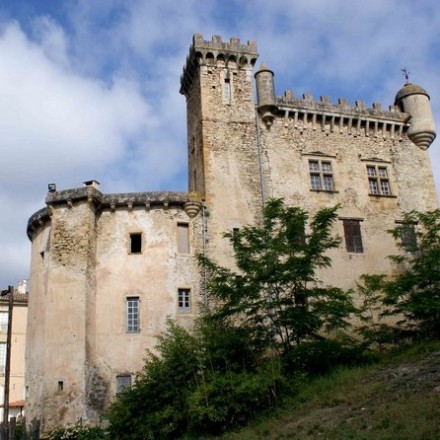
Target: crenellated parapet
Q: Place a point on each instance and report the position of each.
(307, 113)
(216, 52)
(189, 202)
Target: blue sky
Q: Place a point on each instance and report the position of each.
(89, 89)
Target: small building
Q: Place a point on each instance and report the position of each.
(18, 345)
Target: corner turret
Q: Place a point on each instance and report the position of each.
(266, 94)
(414, 100)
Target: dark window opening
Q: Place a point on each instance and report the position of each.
(136, 243)
(408, 236)
(60, 385)
(353, 237)
(123, 382)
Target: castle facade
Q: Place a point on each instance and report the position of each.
(107, 270)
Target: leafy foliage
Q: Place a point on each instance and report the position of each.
(374, 330)
(275, 291)
(235, 362)
(320, 357)
(77, 431)
(207, 380)
(155, 407)
(415, 292)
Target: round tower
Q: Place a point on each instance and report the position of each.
(414, 100)
(266, 94)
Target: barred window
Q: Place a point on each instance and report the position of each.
(378, 180)
(321, 175)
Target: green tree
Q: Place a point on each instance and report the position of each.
(204, 381)
(155, 407)
(415, 291)
(275, 292)
(374, 330)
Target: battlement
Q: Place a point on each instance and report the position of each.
(305, 113)
(342, 107)
(190, 202)
(234, 46)
(232, 53)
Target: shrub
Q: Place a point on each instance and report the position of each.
(229, 399)
(319, 357)
(77, 431)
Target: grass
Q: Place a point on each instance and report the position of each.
(395, 399)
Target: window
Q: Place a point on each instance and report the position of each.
(136, 243)
(133, 314)
(2, 357)
(227, 91)
(353, 237)
(321, 175)
(3, 321)
(60, 385)
(182, 238)
(123, 382)
(378, 180)
(408, 236)
(184, 300)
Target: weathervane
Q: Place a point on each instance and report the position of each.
(405, 73)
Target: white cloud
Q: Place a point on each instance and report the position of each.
(56, 123)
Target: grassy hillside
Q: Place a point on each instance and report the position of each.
(396, 399)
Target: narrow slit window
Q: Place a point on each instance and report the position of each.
(227, 90)
(136, 243)
(60, 385)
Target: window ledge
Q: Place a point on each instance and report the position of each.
(388, 196)
(324, 191)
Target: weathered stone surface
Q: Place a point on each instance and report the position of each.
(239, 154)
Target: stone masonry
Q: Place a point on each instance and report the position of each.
(95, 255)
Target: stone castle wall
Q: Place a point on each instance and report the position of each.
(82, 274)
(240, 153)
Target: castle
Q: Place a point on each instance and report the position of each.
(108, 269)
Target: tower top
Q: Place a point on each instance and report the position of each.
(409, 89)
(210, 52)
